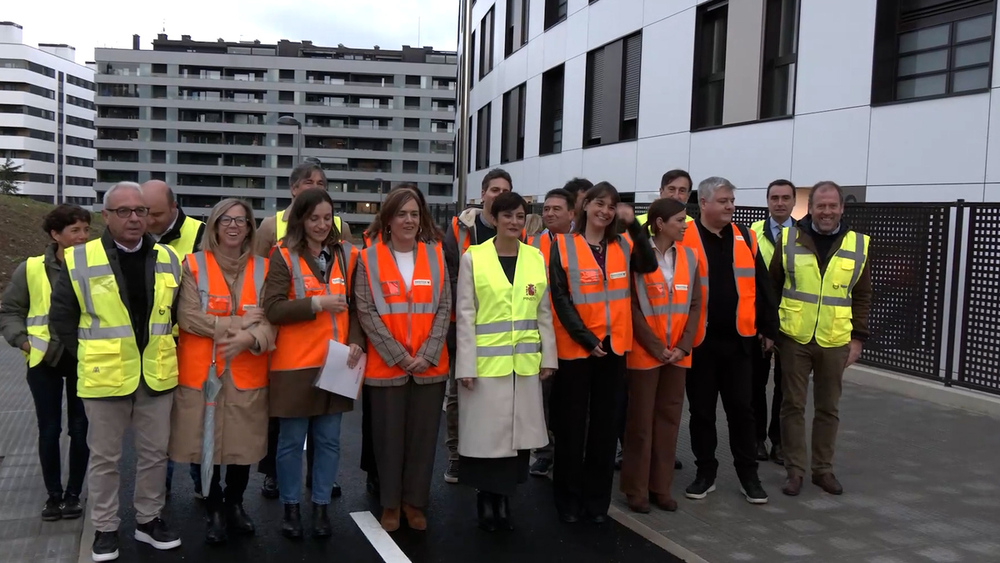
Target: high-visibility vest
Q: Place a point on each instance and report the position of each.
(666, 307)
(194, 353)
(641, 219)
(763, 243)
(745, 272)
(281, 224)
(543, 242)
(369, 241)
(601, 298)
(507, 337)
(815, 307)
(39, 292)
(463, 238)
(108, 360)
(184, 244)
(408, 314)
(304, 344)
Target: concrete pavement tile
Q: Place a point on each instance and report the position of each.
(899, 537)
(989, 548)
(805, 526)
(943, 531)
(940, 555)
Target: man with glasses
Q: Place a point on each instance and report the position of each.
(113, 306)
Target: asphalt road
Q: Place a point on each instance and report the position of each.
(452, 535)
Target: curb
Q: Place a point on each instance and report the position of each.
(925, 390)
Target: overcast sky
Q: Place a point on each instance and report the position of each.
(355, 23)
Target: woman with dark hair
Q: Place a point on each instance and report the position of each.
(307, 295)
(404, 306)
(219, 313)
(374, 231)
(589, 272)
(24, 323)
(506, 346)
(666, 305)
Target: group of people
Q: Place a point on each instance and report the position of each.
(207, 339)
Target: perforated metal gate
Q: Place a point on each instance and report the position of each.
(979, 359)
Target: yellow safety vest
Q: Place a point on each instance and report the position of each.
(281, 225)
(763, 243)
(39, 292)
(641, 219)
(815, 307)
(184, 244)
(108, 360)
(507, 338)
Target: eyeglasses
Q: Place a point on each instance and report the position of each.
(126, 212)
(226, 220)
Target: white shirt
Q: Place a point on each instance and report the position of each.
(666, 260)
(405, 264)
(156, 237)
(127, 250)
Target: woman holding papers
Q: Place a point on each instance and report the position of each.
(306, 294)
(404, 305)
(218, 312)
(506, 346)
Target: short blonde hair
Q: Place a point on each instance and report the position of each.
(210, 240)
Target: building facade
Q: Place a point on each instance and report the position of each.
(47, 119)
(891, 98)
(203, 116)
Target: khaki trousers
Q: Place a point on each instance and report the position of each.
(149, 418)
(827, 366)
(655, 403)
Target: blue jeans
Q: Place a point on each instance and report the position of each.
(326, 435)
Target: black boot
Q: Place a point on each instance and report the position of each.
(501, 507)
(291, 525)
(321, 521)
(270, 487)
(216, 533)
(372, 484)
(238, 520)
(484, 505)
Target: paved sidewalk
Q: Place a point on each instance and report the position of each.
(23, 536)
(921, 486)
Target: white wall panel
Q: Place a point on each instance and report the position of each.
(831, 146)
(513, 71)
(553, 46)
(575, 80)
(656, 10)
(613, 20)
(667, 67)
(925, 193)
(993, 140)
(532, 115)
(655, 156)
(749, 156)
(576, 33)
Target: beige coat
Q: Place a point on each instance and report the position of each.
(240, 416)
(500, 415)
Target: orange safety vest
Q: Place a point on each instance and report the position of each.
(542, 242)
(408, 314)
(303, 345)
(745, 272)
(194, 353)
(666, 307)
(601, 298)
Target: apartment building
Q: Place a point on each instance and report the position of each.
(230, 119)
(47, 119)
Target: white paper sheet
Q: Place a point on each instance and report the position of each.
(336, 377)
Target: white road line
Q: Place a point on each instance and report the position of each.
(654, 537)
(379, 538)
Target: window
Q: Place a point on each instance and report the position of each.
(483, 137)
(486, 44)
(710, 65)
(551, 125)
(512, 132)
(517, 26)
(472, 58)
(611, 109)
(555, 12)
(930, 48)
(780, 46)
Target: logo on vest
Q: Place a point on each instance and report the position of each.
(529, 290)
(422, 283)
(617, 275)
(681, 287)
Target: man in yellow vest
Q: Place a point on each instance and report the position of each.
(780, 202)
(820, 267)
(272, 229)
(113, 305)
(675, 184)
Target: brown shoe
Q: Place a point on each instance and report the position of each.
(664, 502)
(639, 505)
(415, 518)
(390, 519)
(828, 483)
(793, 485)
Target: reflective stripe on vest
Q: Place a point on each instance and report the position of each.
(820, 307)
(184, 245)
(666, 307)
(281, 224)
(408, 314)
(109, 362)
(248, 371)
(763, 243)
(507, 337)
(303, 344)
(39, 292)
(602, 298)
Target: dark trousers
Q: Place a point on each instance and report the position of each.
(585, 400)
(761, 373)
(267, 466)
(368, 464)
(722, 367)
(237, 477)
(46, 384)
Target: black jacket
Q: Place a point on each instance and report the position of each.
(643, 261)
(175, 231)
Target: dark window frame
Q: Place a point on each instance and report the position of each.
(484, 117)
(512, 43)
(774, 64)
(612, 92)
(556, 12)
(703, 81)
(550, 129)
(513, 123)
(487, 42)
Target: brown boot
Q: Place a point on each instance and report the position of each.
(793, 485)
(415, 518)
(664, 502)
(638, 504)
(390, 519)
(828, 483)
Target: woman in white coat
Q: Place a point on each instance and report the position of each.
(506, 346)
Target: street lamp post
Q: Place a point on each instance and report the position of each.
(379, 182)
(464, 99)
(289, 120)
